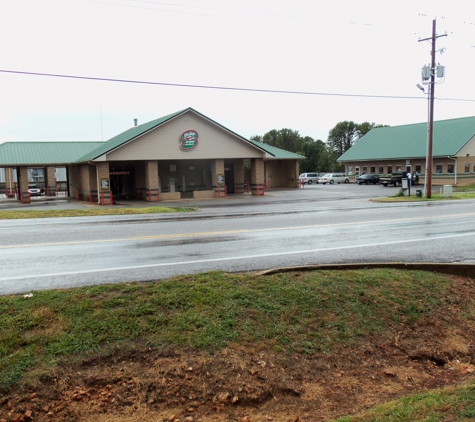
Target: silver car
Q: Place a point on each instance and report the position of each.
(309, 178)
(333, 178)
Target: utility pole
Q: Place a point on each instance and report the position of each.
(431, 109)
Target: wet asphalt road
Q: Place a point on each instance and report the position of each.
(315, 225)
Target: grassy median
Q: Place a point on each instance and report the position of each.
(298, 315)
(20, 214)
(210, 310)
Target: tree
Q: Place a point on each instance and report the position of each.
(317, 157)
(345, 134)
(287, 139)
(342, 137)
(365, 127)
(256, 138)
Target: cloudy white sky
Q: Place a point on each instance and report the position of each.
(351, 49)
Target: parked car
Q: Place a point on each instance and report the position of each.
(309, 178)
(333, 178)
(367, 178)
(34, 190)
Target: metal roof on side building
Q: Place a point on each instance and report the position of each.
(278, 153)
(43, 153)
(410, 141)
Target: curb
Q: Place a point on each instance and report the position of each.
(464, 270)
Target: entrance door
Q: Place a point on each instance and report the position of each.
(229, 177)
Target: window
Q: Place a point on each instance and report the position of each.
(365, 169)
(350, 170)
(418, 168)
(438, 168)
(373, 169)
(390, 169)
(357, 171)
(450, 168)
(467, 168)
(398, 168)
(381, 170)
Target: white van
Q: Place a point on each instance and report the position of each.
(309, 178)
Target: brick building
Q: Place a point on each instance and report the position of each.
(182, 155)
(387, 149)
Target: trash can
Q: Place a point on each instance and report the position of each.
(419, 193)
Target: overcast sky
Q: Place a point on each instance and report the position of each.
(350, 49)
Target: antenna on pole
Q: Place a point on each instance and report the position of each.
(102, 132)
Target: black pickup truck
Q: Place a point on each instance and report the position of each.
(395, 179)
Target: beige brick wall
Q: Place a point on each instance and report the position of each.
(23, 184)
(170, 196)
(83, 177)
(217, 167)
(50, 180)
(103, 171)
(151, 175)
(239, 186)
(87, 176)
(257, 176)
(281, 173)
(204, 194)
(9, 184)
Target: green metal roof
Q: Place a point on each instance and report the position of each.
(43, 153)
(278, 153)
(410, 141)
(127, 136)
(135, 132)
(46, 153)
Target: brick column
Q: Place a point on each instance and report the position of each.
(295, 183)
(239, 176)
(23, 195)
(103, 184)
(9, 181)
(257, 176)
(50, 181)
(151, 181)
(86, 183)
(217, 168)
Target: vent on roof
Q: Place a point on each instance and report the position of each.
(135, 122)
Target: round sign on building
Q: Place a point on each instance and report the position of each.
(189, 140)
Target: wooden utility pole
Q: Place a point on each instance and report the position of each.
(431, 110)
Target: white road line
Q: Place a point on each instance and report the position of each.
(229, 232)
(170, 264)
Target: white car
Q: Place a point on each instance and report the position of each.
(333, 178)
(34, 190)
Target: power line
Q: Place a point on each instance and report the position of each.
(225, 88)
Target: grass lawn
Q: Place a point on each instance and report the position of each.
(459, 193)
(8, 215)
(301, 318)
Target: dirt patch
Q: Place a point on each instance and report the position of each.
(255, 382)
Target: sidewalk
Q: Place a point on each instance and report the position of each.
(72, 203)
